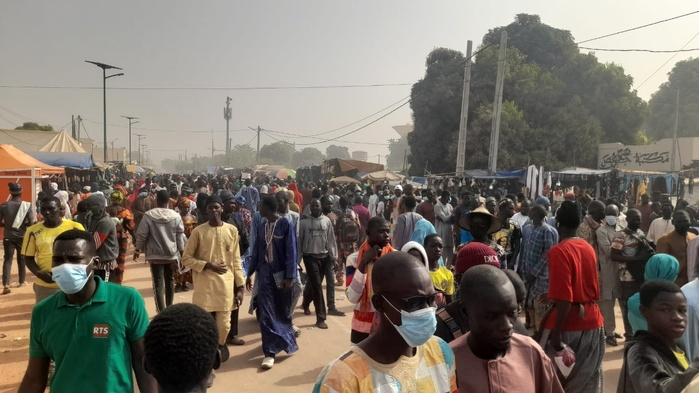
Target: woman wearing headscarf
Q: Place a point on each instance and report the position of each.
(64, 198)
(658, 267)
(298, 197)
(123, 230)
(184, 275)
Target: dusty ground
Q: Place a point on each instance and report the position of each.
(241, 373)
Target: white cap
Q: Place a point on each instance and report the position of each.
(398, 187)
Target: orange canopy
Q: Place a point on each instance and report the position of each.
(13, 158)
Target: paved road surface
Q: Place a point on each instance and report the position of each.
(241, 373)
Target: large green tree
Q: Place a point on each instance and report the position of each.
(398, 151)
(684, 78)
(335, 151)
(558, 103)
(29, 125)
(436, 105)
(278, 153)
(307, 157)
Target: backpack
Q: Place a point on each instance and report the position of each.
(348, 229)
(243, 234)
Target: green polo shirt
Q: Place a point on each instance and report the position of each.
(90, 344)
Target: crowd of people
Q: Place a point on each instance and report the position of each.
(469, 294)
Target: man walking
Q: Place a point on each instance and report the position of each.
(406, 221)
(252, 196)
(629, 252)
(213, 254)
(575, 320)
(426, 207)
(316, 243)
(592, 221)
(537, 240)
(92, 330)
(15, 215)
(610, 286)
(443, 224)
(675, 243)
(161, 236)
(37, 246)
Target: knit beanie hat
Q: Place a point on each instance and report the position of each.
(473, 254)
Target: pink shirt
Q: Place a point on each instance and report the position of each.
(525, 368)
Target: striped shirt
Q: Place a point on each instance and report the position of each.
(431, 370)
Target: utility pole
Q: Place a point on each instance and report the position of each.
(140, 158)
(79, 124)
(258, 145)
(212, 143)
(72, 121)
(131, 121)
(674, 132)
(227, 116)
(497, 106)
(379, 161)
(461, 147)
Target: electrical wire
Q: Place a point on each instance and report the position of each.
(668, 60)
(639, 50)
(638, 27)
(8, 120)
(162, 130)
(310, 87)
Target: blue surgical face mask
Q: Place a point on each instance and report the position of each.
(71, 277)
(143, 194)
(610, 220)
(416, 327)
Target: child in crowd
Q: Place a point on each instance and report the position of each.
(653, 362)
(442, 278)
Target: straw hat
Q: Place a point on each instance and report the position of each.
(495, 223)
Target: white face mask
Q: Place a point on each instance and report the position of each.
(610, 220)
(416, 327)
(71, 277)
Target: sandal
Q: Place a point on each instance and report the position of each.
(611, 341)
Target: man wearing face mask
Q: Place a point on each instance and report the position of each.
(99, 353)
(610, 286)
(402, 354)
(37, 246)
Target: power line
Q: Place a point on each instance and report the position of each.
(638, 27)
(161, 130)
(314, 136)
(639, 50)
(668, 60)
(353, 131)
(310, 87)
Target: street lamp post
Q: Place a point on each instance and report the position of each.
(131, 118)
(104, 68)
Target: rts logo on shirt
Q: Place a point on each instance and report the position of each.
(100, 331)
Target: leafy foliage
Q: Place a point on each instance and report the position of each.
(558, 103)
(307, 157)
(397, 151)
(334, 151)
(34, 126)
(661, 122)
(279, 153)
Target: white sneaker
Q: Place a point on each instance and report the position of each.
(267, 363)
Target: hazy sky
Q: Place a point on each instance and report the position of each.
(179, 43)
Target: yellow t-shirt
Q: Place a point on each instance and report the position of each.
(443, 279)
(682, 359)
(38, 243)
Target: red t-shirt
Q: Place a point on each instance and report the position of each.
(573, 278)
